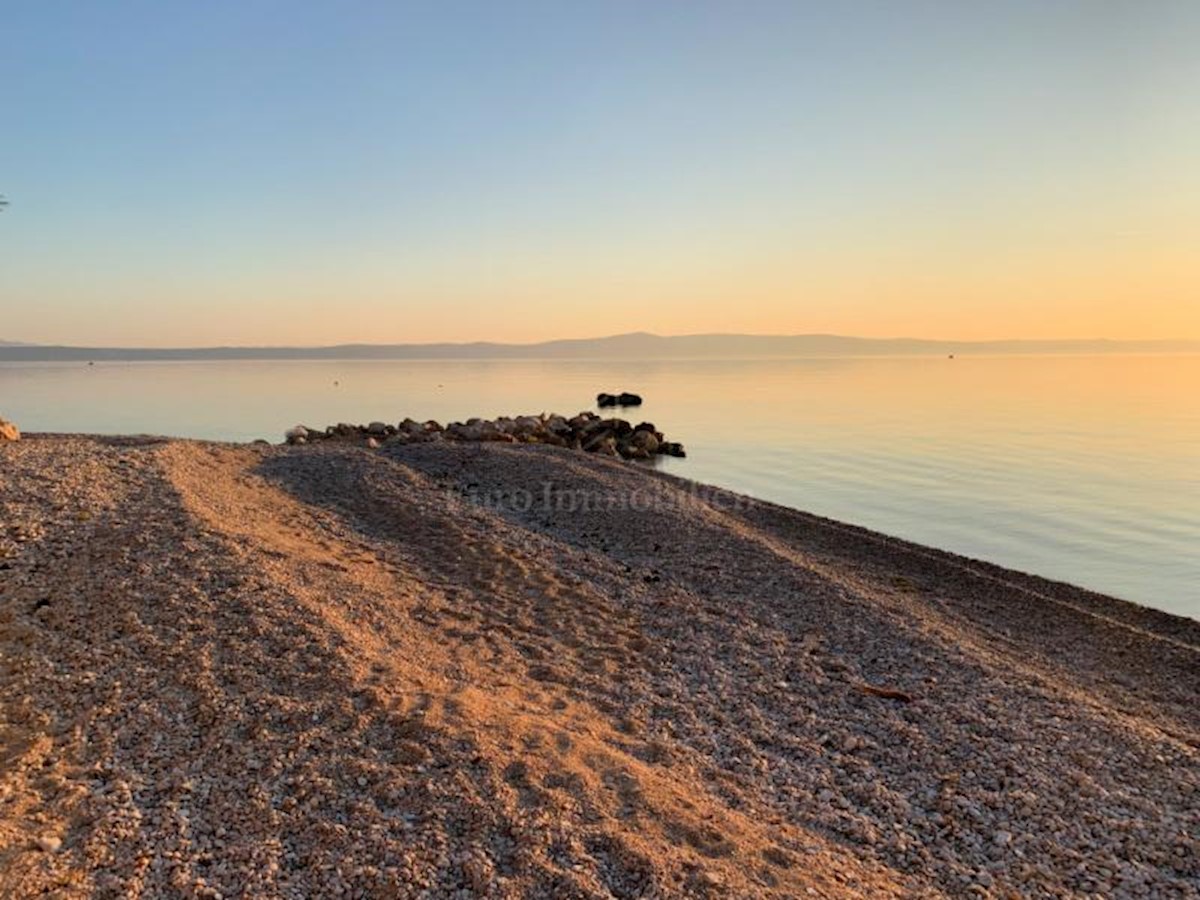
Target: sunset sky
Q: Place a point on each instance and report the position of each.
(317, 173)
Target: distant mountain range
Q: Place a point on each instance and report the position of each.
(639, 345)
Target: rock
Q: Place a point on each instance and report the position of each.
(468, 432)
(585, 431)
(623, 399)
(592, 440)
(644, 441)
(629, 451)
(9, 431)
(607, 446)
(528, 423)
(49, 843)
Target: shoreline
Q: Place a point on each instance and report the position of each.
(522, 702)
(1091, 600)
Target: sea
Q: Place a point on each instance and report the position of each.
(1084, 469)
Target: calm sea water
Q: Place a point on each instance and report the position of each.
(1085, 469)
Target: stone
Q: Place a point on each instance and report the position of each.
(593, 441)
(710, 879)
(606, 446)
(644, 441)
(528, 423)
(623, 399)
(468, 432)
(49, 844)
(586, 431)
(9, 431)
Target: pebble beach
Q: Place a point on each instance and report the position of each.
(514, 670)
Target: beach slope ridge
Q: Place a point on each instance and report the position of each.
(519, 671)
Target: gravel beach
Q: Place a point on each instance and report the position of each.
(494, 670)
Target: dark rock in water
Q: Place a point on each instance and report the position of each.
(644, 440)
(629, 450)
(671, 448)
(622, 399)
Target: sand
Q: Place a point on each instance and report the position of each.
(250, 671)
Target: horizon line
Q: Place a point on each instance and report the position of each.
(9, 344)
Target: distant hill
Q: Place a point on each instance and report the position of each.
(639, 345)
(13, 344)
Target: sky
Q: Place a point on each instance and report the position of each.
(252, 172)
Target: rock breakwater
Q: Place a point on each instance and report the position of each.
(585, 431)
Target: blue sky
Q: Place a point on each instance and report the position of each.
(265, 172)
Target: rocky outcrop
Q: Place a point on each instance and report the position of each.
(622, 399)
(9, 431)
(586, 431)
